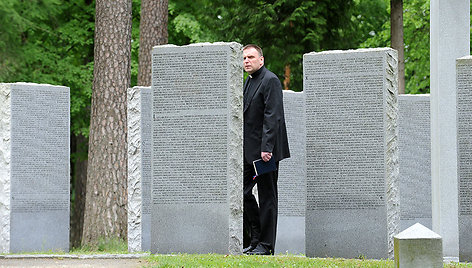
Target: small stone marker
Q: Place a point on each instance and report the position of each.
(418, 247)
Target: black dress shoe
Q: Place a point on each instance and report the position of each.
(260, 250)
(246, 250)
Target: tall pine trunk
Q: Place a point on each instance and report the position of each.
(106, 197)
(152, 32)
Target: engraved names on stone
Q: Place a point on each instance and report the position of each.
(39, 167)
(351, 141)
(197, 149)
(292, 179)
(146, 172)
(414, 145)
(464, 158)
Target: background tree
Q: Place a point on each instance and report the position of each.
(51, 41)
(416, 39)
(396, 33)
(152, 32)
(106, 197)
(285, 29)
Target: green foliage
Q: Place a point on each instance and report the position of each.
(368, 18)
(136, 9)
(416, 27)
(186, 22)
(285, 29)
(50, 41)
(416, 39)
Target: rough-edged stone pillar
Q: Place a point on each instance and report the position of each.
(34, 167)
(352, 153)
(139, 168)
(450, 39)
(197, 148)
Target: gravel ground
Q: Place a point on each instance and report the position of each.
(54, 262)
(126, 261)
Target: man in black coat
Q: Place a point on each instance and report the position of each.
(265, 136)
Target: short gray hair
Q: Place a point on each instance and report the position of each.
(256, 47)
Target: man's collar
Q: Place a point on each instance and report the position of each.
(256, 73)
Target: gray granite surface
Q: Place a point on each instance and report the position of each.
(352, 154)
(292, 179)
(464, 155)
(38, 174)
(414, 144)
(197, 149)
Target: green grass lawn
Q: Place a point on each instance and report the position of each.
(215, 260)
(118, 246)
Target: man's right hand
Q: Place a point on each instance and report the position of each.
(266, 156)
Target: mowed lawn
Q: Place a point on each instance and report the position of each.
(216, 260)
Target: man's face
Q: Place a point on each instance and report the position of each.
(252, 60)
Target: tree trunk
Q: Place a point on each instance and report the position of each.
(152, 32)
(80, 182)
(106, 197)
(396, 31)
(287, 72)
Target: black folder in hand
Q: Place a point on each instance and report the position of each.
(261, 167)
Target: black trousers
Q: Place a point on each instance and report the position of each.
(260, 221)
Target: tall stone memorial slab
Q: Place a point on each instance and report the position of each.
(414, 145)
(449, 40)
(292, 179)
(139, 168)
(464, 155)
(34, 167)
(197, 149)
(352, 153)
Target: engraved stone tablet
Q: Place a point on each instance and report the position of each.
(197, 149)
(414, 145)
(464, 158)
(139, 168)
(34, 167)
(292, 181)
(352, 155)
